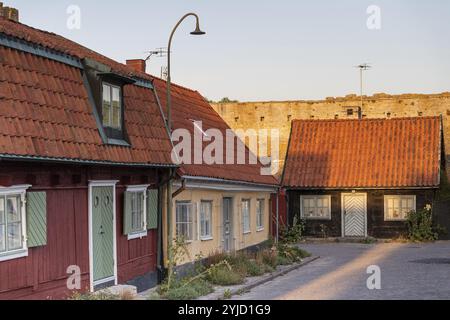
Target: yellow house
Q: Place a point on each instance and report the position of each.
(220, 206)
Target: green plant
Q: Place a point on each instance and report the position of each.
(227, 295)
(269, 257)
(295, 233)
(186, 289)
(324, 231)
(93, 296)
(224, 275)
(291, 253)
(177, 252)
(420, 225)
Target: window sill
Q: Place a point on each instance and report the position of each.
(260, 230)
(206, 239)
(248, 232)
(14, 255)
(316, 219)
(135, 236)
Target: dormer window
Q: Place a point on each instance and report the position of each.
(112, 106)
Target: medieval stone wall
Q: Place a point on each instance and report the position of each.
(279, 115)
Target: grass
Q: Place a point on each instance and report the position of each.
(94, 297)
(225, 276)
(223, 269)
(187, 290)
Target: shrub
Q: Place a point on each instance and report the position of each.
(295, 233)
(94, 296)
(420, 226)
(224, 275)
(217, 258)
(291, 253)
(269, 257)
(187, 289)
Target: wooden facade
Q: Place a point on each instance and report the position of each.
(43, 274)
(377, 226)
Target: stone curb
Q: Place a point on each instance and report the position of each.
(265, 279)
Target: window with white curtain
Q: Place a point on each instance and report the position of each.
(397, 208)
(185, 221)
(12, 223)
(206, 220)
(112, 106)
(316, 207)
(246, 216)
(260, 207)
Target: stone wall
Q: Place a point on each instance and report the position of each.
(279, 115)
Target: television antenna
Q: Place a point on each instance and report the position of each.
(159, 53)
(362, 67)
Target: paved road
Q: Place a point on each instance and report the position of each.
(408, 271)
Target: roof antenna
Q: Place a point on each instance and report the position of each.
(160, 53)
(362, 67)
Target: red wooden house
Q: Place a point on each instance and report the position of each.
(83, 152)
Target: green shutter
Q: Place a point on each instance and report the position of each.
(152, 209)
(36, 219)
(127, 223)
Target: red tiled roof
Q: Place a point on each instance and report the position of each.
(188, 105)
(45, 110)
(376, 153)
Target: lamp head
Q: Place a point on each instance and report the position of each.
(198, 31)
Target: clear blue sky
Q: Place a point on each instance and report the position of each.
(269, 50)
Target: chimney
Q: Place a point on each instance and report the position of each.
(9, 13)
(137, 65)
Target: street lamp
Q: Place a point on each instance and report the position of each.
(196, 32)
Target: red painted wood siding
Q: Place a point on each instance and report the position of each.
(282, 212)
(42, 275)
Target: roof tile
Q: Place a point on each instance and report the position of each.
(375, 153)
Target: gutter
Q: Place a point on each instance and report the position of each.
(361, 188)
(181, 189)
(5, 157)
(225, 181)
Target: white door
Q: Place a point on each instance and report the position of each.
(354, 209)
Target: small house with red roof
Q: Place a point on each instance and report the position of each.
(84, 152)
(360, 178)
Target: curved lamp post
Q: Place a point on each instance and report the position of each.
(196, 32)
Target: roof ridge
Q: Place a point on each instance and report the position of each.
(366, 119)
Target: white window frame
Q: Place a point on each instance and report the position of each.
(21, 192)
(249, 215)
(209, 235)
(191, 209)
(260, 214)
(400, 198)
(315, 197)
(111, 87)
(144, 232)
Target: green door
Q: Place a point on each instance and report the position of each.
(103, 233)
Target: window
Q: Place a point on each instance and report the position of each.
(112, 107)
(246, 216)
(397, 208)
(184, 221)
(206, 220)
(138, 216)
(12, 224)
(316, 207)
(260, 207)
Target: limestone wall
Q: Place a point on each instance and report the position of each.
(279, 115)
